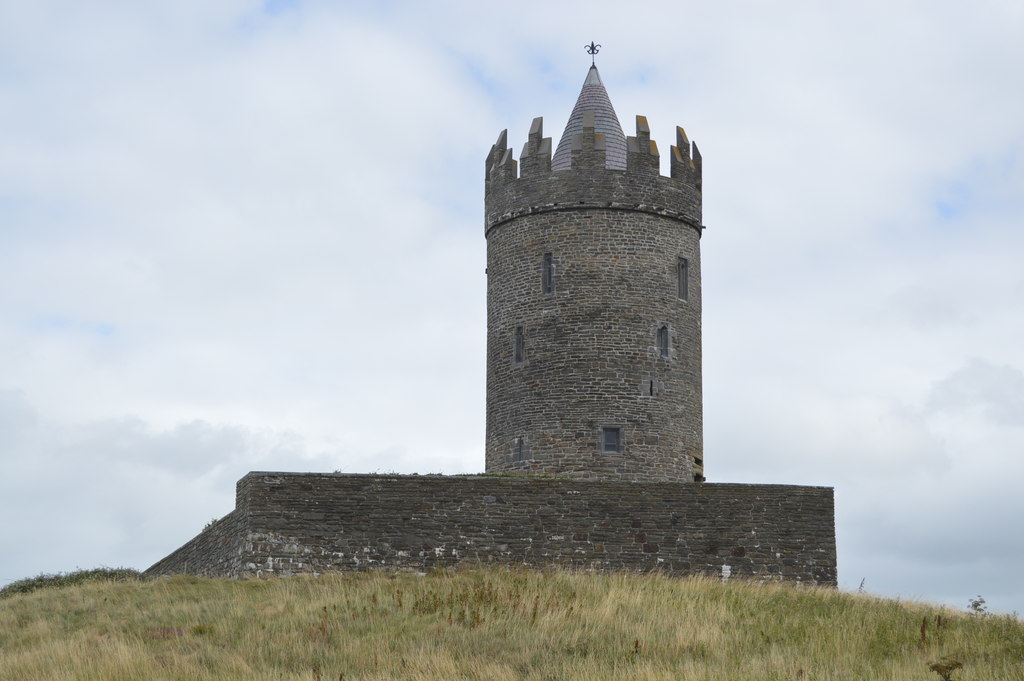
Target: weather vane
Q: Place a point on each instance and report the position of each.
(592, 49)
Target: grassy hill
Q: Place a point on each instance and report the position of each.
(491, 624)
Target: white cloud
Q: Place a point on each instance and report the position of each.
(997, 391)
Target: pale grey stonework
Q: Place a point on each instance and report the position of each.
(593, 99)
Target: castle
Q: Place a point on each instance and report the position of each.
(594, 442)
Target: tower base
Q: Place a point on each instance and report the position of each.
(291, 523)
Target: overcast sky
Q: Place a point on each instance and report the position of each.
(240, 235)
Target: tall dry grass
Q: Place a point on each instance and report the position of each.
(490, 624)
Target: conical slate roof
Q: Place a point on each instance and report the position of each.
(594, 98)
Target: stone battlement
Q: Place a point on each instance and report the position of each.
(513, 189)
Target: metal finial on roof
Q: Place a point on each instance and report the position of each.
(592, 49)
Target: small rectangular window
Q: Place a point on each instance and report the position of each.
(518, 449)
(520, 345)
(611, 440)
(683, 274)
(664, 342)
(548, 274)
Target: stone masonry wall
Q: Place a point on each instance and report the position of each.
(215, 552)
(590, 355)
(312, 523)
(583, 270)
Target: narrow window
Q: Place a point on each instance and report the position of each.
(548, 274)
(518, 453)
(611, 440)
(520, 347)
(683, 274)
(664, 348)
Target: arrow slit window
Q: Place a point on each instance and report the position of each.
(683, 278)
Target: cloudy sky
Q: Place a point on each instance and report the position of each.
(248, 235)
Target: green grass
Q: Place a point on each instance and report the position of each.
(489, 624)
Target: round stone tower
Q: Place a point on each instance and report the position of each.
(594, 302)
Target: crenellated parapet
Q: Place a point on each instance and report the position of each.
(512, 191)
(641, 151)
(684, 166)
(536, 156)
